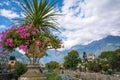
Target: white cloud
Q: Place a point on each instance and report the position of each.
(8, 14)
(1, 4)
(90, 20)
(2, 27)
(6, 3)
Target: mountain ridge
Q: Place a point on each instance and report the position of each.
(104, 44)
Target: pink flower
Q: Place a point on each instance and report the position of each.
(23, 32)
(9, 42)
(60, 42)
(36, 30)
(27, 34)
(7, 51)
(0, 44)
(0, 51)
(41, 49)
(38, 43)
(3, 35)
(27, 28)
(27, 42)
(13, 28)
(22, 47)
(33, 32)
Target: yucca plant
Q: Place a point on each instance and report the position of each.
(40, 13)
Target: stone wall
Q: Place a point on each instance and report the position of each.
(6, 76)
(90, 76)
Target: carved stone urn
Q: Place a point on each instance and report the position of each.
(33, 72)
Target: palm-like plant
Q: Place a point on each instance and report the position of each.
(40, 13)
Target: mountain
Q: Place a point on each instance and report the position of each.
(19, 57)
(108, 43)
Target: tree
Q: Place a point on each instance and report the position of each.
(93, 66)
(112, 58)
(84, 57)
(85, 60)
(20, 69)
(52, 65)
(115, 63)
(71, 60)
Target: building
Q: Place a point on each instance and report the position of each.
(91, 57)
(12, 62)
(42, 65)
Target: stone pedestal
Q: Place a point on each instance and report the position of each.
(32, 73)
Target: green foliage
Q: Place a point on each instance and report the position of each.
(84, 57)
(52, 76)
(20, 69)
(41, 13)
(71, 60)
(52, 65)
(93, 66)
(110, 60)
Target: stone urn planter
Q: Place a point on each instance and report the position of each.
(33, 72)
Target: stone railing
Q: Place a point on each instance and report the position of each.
(89, 76)
(6, 76)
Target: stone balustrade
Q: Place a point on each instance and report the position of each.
(90, 76)
(6, 76)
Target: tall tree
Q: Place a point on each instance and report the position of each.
(84, 57)
(52, 65)
(71, 60)
(112, 58)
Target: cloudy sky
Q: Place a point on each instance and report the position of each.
(83, 21)
(88, 20)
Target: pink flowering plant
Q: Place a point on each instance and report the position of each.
(23, 36)
(40, 18)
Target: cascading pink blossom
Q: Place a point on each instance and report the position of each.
(23, 31)
(7, 51)
(22, 47)
(22, 37)
(9, 42)
(0, 44)
(27, 42)
(3, 35)
(41, 49)
(39, 43)
(35, 31)
(0, 51)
